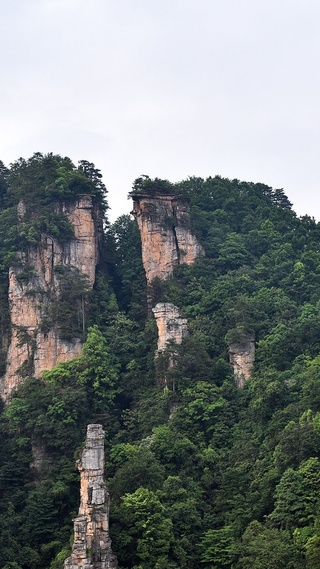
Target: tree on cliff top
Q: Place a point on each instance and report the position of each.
(46, 178)
(232, 479)
(145, 185)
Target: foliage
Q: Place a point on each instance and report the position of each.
(145, 185)
(201, 474)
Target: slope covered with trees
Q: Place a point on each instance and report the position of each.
(201, 474)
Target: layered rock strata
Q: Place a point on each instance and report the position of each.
(34, 287)
(242, 358)
(92, 545)
(167, 241)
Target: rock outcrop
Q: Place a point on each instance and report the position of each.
(35, 286)
(170, 324)
(242, 357)
(92, 545)
(167, 241)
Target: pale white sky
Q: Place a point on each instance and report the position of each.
(168, 88)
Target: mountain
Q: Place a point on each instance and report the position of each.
(190, 332)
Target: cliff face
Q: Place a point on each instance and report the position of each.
(34, 289)
(164, 225)
(242, 357)
(92, 546)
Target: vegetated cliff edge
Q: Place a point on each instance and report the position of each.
(167, 241)
(47, 288)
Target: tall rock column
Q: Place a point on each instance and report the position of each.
(171, 326)
(166, 238)
(34, 289)
(92, 545)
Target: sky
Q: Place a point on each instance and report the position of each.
(167, 88)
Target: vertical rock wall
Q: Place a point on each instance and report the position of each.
(92, 545)
(34, 285)
(167, 241)
(242, 357)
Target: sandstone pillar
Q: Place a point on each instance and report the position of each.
(92, 545)
(170, 324)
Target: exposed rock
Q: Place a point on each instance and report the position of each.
(92, 545)
(34, 287)
(170, 327)
(167, 241)
(170, 324)
(242, 357)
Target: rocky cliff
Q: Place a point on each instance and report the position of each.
(242, 357)
(36, 281)
(92, 546)
(167, 241)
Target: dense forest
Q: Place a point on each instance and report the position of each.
(200, 473)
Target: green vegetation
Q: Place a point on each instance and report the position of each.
(34, 195)
(201, 474)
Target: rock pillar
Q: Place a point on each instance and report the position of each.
(170, 327)
(92, 545)
(170, 324)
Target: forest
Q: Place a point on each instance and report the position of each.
(201, 474)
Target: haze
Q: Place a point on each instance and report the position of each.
(168, 88)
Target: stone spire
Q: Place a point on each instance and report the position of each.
(92, 545)
(170, 324)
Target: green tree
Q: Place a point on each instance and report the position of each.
(148, 526)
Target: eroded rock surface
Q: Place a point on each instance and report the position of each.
(35, 286)
(92, 545)
(242, 357)
(167, 241)
(170, 324)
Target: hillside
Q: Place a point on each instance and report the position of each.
(211, 410)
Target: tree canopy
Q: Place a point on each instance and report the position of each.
(201, 474)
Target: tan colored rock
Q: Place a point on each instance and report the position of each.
(92, 545)
(34, 286)
(171, 327)
(170, 324)
(242, 358)
(167, 241)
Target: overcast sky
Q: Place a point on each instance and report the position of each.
(168, 88)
